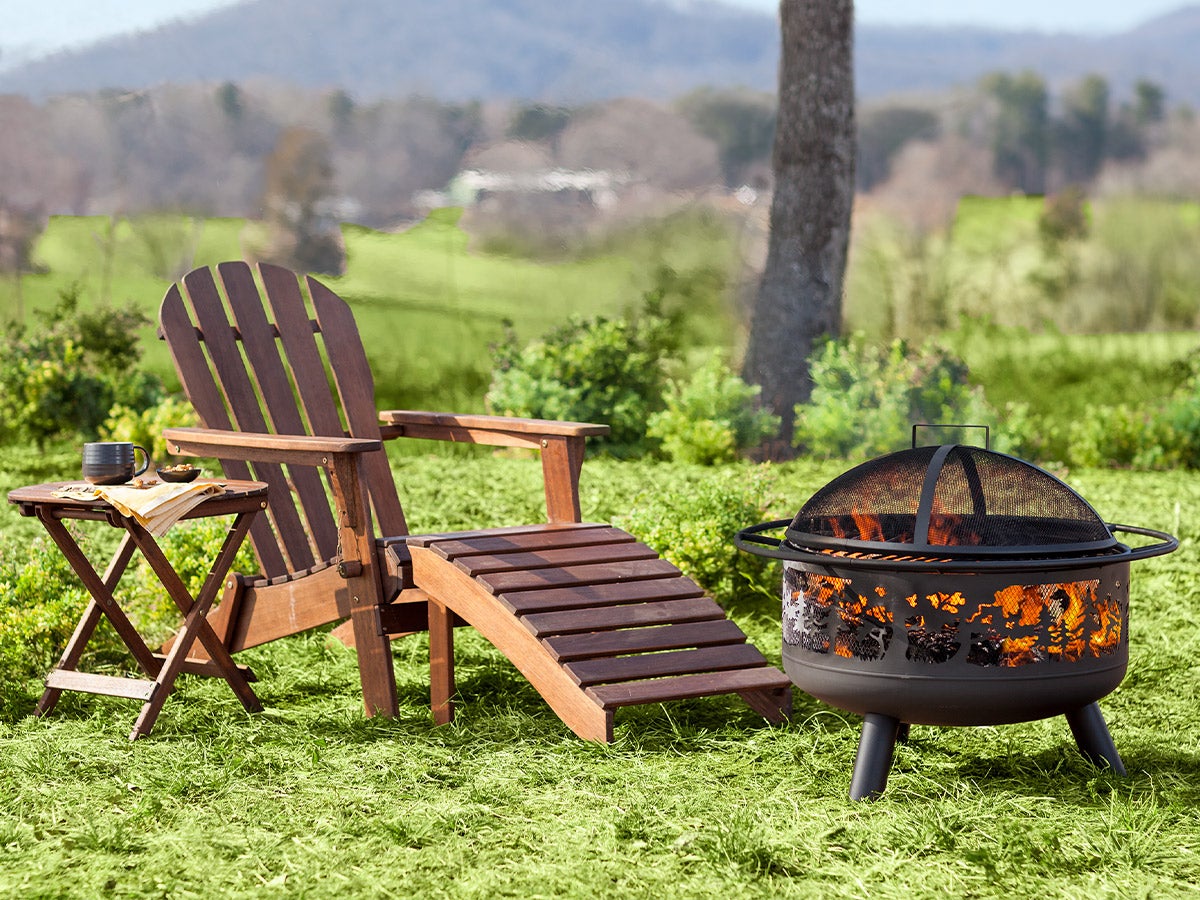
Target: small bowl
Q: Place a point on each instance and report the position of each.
(178, 473)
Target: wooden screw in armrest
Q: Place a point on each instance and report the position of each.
(294, 449)
(561, 444)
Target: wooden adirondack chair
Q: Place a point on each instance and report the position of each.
(594, 619)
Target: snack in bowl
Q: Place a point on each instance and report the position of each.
(180, 472)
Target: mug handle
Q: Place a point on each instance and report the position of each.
(145, 460)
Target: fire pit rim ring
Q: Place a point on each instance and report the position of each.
(753, 540)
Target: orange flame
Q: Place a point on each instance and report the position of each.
(1065, 617)
(1018, 651)
(870, 528)
(946, 529)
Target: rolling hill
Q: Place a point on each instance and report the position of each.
(579, 50)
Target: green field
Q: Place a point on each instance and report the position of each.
(428, 306)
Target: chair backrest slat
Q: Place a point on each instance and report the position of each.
(229, 369)
(191, 365)
(266, 367)
(356, 389)
(300, 347)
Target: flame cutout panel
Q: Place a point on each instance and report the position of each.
(1019, 625)
(822, 613)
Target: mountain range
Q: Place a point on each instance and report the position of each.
(572, 51)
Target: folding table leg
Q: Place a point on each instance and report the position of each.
(101, 590)
(194, 624)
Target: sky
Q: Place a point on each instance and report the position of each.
(33, 27)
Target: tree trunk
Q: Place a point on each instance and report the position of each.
(800, 296)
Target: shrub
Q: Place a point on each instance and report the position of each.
(41, 600)
(1023, 433)
(711, 418)
(1179, 422)
(601, 370)
(64, 378)
(866, 397)
(693, 525)
(1156, 435)
(1123, 435)
(145, 427)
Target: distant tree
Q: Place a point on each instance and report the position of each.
(1150, 103)
(20, 228)
(1064, 217)
(1134, 129)
(537, 122)
(741, 123)
(35, 172)
(927, 180)
(341, 109)
(1081, 131)
(1020, 131)
(229, 99)
(301, 231)
(641, 139)
(882, 133)
(800, 296)
(400, 147)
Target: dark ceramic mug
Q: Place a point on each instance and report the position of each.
(111, 462)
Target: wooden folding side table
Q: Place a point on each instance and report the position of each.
(243, 500)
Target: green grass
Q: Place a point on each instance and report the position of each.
(694, 799)
(1062, 374)
(1134, 269)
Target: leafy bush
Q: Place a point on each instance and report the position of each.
(1123, 436)
(64, 378)
(693, 524)
(1178, 424)
(598, 369)
(41, 600)
(711, 418)
(1160, 434)
(145, 427)
(866, 397)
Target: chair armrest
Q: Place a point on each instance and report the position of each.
(293, 449)
(496, 431)
(561, 445)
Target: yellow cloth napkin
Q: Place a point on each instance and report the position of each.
(156, 507)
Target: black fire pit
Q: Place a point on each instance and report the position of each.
(953, 585)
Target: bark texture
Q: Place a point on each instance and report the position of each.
(800, 297)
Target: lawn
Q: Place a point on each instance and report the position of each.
(694, 799)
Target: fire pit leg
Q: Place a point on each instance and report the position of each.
(874, 759)
(1091, 734)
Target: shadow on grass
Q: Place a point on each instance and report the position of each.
(940, 760)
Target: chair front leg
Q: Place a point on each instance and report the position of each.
(562, 462)
(364, 587)
(441, 663)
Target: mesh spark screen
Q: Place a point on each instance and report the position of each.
(951, 496)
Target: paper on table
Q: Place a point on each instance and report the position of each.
(156, 508)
